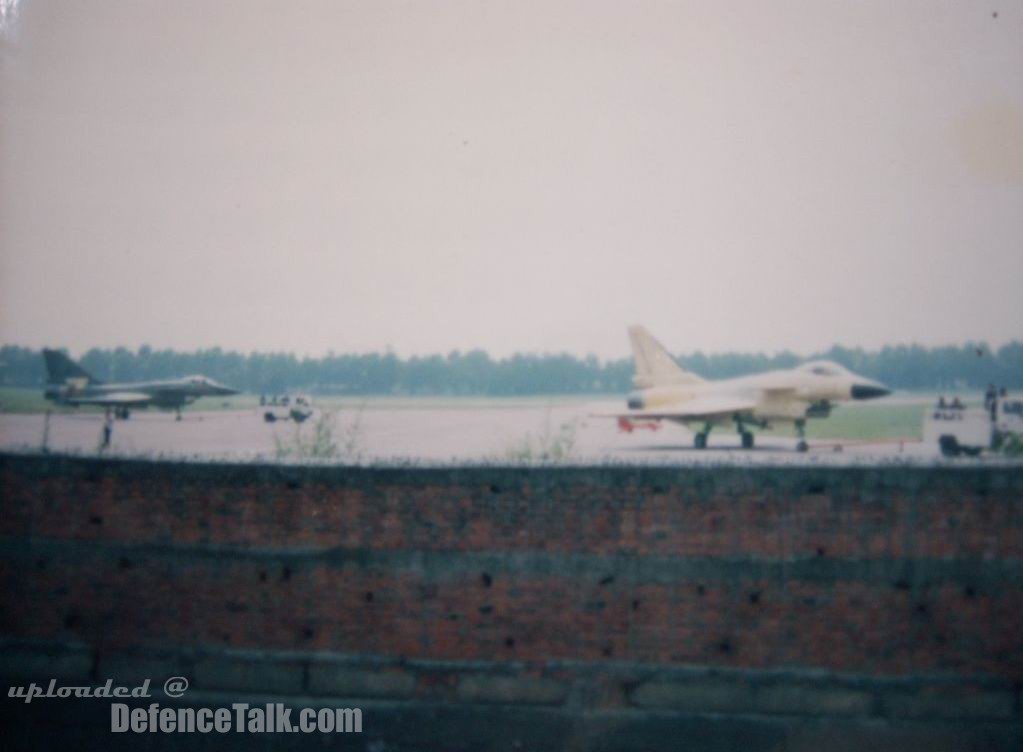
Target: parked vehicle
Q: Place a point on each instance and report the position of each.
(297, 408)
(958, 429)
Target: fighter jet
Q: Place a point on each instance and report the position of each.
(70, 384)
(664, 391)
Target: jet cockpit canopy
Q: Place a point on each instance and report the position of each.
(824, 368)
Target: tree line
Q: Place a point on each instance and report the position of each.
(914, 367)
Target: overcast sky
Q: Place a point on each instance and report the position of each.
(315, 176)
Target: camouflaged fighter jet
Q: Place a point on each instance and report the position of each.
(70, 384)
(664, 391)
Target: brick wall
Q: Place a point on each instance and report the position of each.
(860, 595)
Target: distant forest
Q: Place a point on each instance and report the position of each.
(913, 367)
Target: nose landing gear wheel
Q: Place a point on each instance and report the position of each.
(700, 441)
(747, 440)
(802, 446)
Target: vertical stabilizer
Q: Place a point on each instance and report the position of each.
(654, 365)
(60, 368)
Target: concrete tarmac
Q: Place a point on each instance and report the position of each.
(496, 433)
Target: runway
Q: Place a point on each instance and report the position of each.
(477, 432)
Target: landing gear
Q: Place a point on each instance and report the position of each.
(700, 440)
(802, 446)
(179, 414)
(121, 413)
(747, 436)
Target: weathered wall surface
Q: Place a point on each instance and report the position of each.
(606, 606)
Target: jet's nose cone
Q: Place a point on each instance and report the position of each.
(869, 391)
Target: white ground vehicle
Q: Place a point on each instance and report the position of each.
(288, 407)
(971, 430)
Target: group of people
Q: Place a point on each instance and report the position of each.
(992, 397)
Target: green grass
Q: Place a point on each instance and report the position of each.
(21, 400)
(16, 400)
(863, 422)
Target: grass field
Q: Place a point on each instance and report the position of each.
(894, 419)
(864, 422)
(20, 400)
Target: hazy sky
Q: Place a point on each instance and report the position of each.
(510, 175)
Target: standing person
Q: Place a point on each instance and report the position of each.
(108, 430)
(989, 396)
(997, 402)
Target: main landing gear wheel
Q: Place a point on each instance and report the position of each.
(802, 446)
(700, 441)
(747, 440)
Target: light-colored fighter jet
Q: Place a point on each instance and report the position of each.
(70, 384)
(664, 391)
